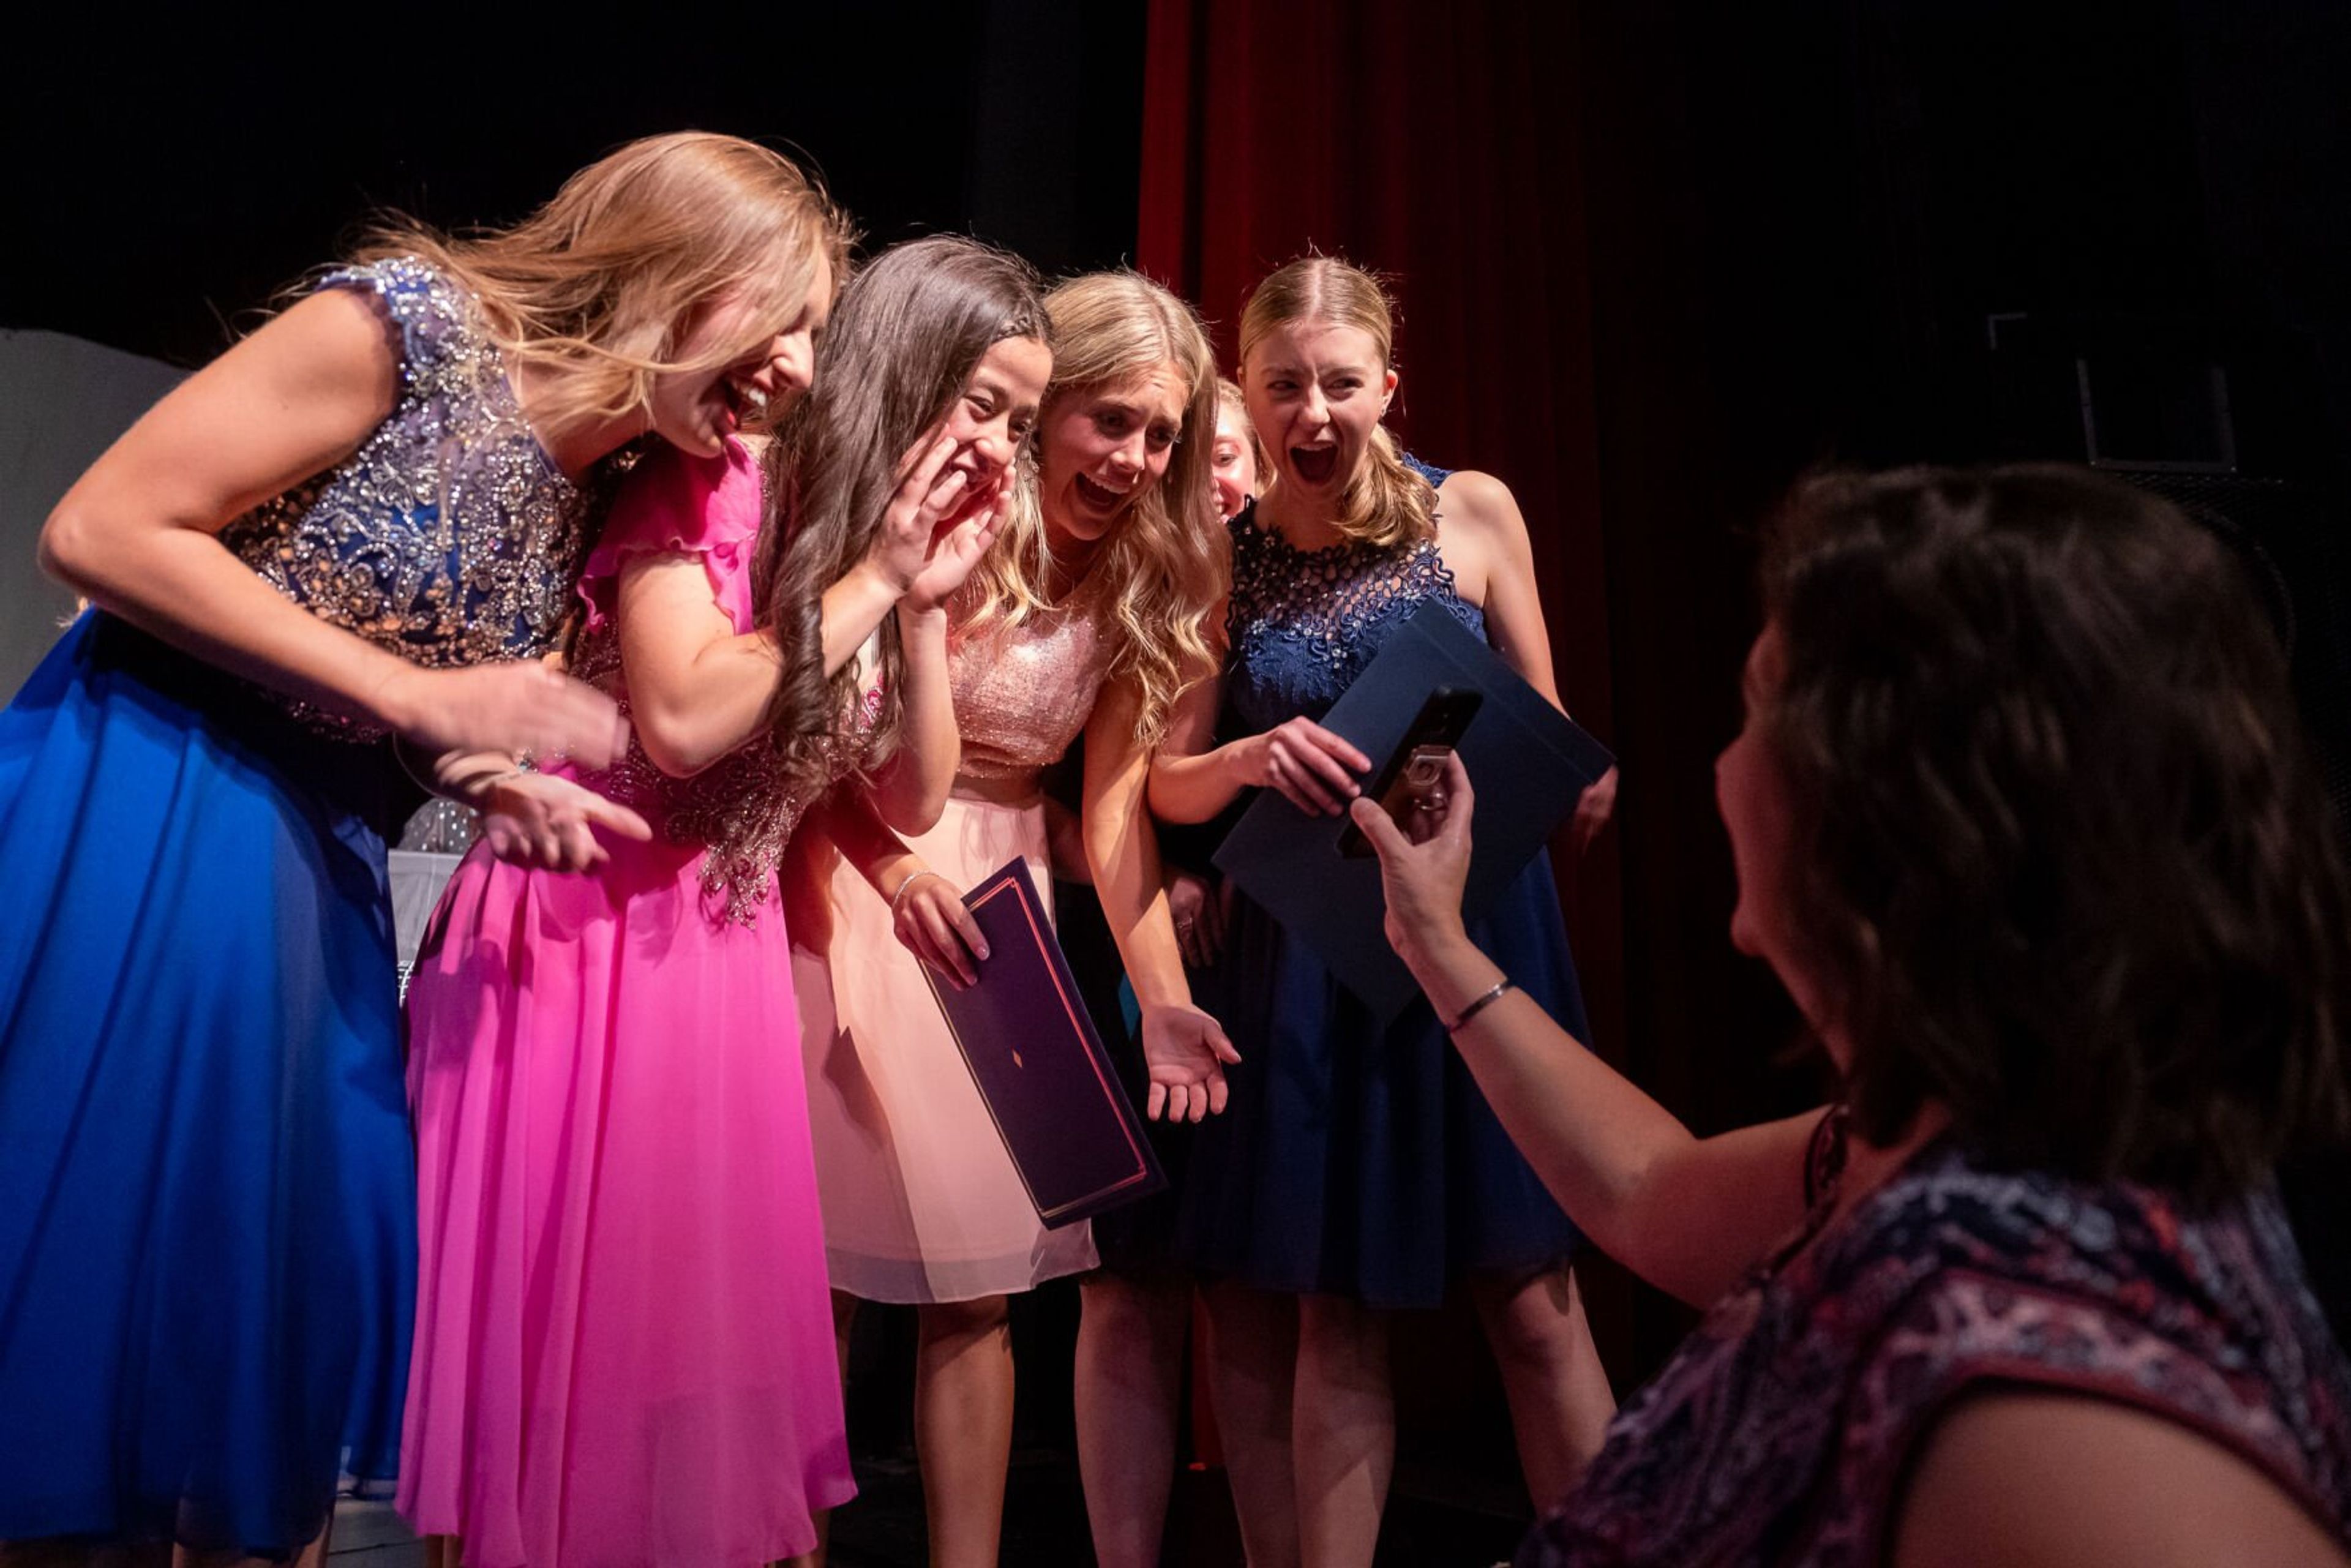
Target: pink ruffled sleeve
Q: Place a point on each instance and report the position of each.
(676, 503)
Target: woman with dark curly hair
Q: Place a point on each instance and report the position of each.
(2023, 821)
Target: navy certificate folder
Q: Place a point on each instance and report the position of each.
(1041, 1069)
(1528, 764)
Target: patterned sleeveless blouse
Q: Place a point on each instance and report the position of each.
(449, 538)
(1779, 1432)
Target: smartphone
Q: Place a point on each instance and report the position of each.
(1418, 761)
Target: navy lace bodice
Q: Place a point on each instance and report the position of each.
(1302, 624)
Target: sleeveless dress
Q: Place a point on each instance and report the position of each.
(920, 1201)
(1355, 1159)
(1781, 1431)
(207, 1193)
(624, 1350)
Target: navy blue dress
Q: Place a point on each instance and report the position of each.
(1355, 1159)
(208, 1193)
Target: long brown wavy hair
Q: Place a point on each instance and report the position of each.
(596, 287)
(1165, 562)
(904, 338)
(2062, 861)
(1386, 503)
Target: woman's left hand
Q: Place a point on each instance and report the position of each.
(1186, 1052)
(544, 822)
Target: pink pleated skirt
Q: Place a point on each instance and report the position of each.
(920, 1200)
(624, 1353)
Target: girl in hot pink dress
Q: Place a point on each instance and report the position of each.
(624, 1349)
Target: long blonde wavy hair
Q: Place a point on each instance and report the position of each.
(1166, 558)
(1386, 503)
(596, 288)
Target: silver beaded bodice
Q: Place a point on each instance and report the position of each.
(449, 538)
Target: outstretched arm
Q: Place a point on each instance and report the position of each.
(1688, 1215)
(137, 535)
(1183, 1047)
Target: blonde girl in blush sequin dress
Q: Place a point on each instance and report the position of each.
(624, 1347)
(363, 520)
(1079, 621)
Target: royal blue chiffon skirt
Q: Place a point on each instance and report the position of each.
(208, 1205)
(1359, 1158)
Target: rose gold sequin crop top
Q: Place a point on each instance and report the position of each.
(1022, 693)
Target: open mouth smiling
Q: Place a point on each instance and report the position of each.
(745, 399)
(1101, 497)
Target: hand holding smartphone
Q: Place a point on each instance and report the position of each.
(1414, 770)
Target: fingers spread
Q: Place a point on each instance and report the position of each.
(924, 462)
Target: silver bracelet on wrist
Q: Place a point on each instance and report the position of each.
(1480, 1002)
(898, 899)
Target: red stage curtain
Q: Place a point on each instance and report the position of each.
(1439, 146)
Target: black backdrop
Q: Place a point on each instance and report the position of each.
(166, 175)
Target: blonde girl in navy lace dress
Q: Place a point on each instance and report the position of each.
(1358, 1169)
